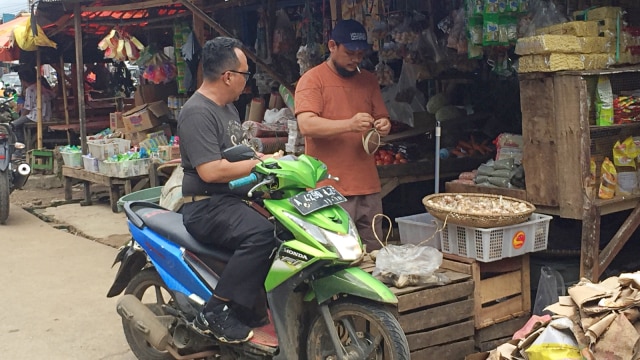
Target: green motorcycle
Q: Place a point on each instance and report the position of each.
(322, 306)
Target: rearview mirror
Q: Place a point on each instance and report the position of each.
(238, 153)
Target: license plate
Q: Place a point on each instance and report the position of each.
(316, 199)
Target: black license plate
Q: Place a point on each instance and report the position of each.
(316, 199)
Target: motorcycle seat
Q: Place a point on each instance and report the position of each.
(168, 224)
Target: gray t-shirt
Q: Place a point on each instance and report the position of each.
(205, 130)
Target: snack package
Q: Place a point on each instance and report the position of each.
(608, 180)
(624, 158)
(604, 102)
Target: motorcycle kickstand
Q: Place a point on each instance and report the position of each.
(333, 333)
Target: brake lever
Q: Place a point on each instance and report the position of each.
(266, 181)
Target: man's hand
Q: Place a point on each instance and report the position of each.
(361, 122)
(383, 125)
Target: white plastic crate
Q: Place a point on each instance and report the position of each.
(496, 243)
(102, 149)
(73, 159)
(125, 169)
(415, 229)
(90, 163)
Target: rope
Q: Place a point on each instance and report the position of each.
(373, 226)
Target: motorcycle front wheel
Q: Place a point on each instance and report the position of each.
(152, 292)
(4, 196)
(366, 330)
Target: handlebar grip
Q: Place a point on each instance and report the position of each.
(247, 180)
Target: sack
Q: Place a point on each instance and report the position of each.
(27, 41)
(171, 195)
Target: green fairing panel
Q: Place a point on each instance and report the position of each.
(352, 281)
(332, 218)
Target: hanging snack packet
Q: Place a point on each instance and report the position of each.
(608, 180)
(604, 102)
(624, 158)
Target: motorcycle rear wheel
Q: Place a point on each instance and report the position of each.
(372, 327)
(4, 196)
(151, 290)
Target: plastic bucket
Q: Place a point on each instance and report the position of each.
(150, 194)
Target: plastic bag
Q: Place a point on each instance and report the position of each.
(409, 265)
(550, 287)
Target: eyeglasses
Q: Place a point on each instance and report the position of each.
(247, 74)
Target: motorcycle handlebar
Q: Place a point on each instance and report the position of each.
(247, 180)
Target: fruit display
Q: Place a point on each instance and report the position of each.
(389, 156)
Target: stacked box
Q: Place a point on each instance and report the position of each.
(575, 28)
(437, 321)
(558, 62)
(502, 289)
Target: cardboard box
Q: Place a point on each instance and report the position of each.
(146, 116)
(148, 93)
(168, 152)
(115, 121)
(138, 136)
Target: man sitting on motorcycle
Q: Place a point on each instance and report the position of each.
(213, 214)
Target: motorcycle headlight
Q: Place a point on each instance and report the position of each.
(347, 246)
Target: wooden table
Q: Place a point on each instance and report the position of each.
(115, 184)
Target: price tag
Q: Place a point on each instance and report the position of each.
(316, 199)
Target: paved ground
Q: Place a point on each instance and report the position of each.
(53, 293)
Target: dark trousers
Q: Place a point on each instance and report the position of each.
(18, 127)
(225, 221)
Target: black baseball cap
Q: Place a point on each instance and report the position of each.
(351, 34)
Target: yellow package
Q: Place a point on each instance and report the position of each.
(608, 180)
(624, 158)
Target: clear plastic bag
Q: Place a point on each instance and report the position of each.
(550, 288)
(409, 265)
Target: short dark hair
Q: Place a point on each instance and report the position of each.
(218, 56)
(27, 75)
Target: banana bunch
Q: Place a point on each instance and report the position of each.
(119, 45)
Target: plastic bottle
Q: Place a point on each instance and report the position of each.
(444, 154)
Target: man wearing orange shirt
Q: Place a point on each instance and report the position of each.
(336, 104)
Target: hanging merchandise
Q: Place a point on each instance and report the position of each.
(191, 52)
(181, 32)
(384, 73)
(159, 69)
(309, 56)
(119, 45)
(262, 37)
(23, 36)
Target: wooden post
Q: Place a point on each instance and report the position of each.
(80, 93)
(38, 99)
(63, 83)
(198, 30)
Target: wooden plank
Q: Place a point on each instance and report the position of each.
(500, 330)
(436, 316)
(492, 344)
(441, 335)
(452, 187)
(126, 7)
(499, 312)
(501, 286)
(539, 137)
(433, 296)
(453, 351)
(454, 277)
(455, 265)
(572, 142)
(502, 265)
(526, 284)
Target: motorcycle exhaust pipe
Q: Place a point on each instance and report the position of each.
(20, 175)
(145, 321)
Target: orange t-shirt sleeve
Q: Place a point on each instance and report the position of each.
(308, 95)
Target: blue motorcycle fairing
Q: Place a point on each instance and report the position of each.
(167, 257)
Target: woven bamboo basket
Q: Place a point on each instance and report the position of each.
(474, 219)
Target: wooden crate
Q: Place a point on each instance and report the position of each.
(492, 336)
(438, 321)
(502, 288)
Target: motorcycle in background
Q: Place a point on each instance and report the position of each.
(13, 173)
